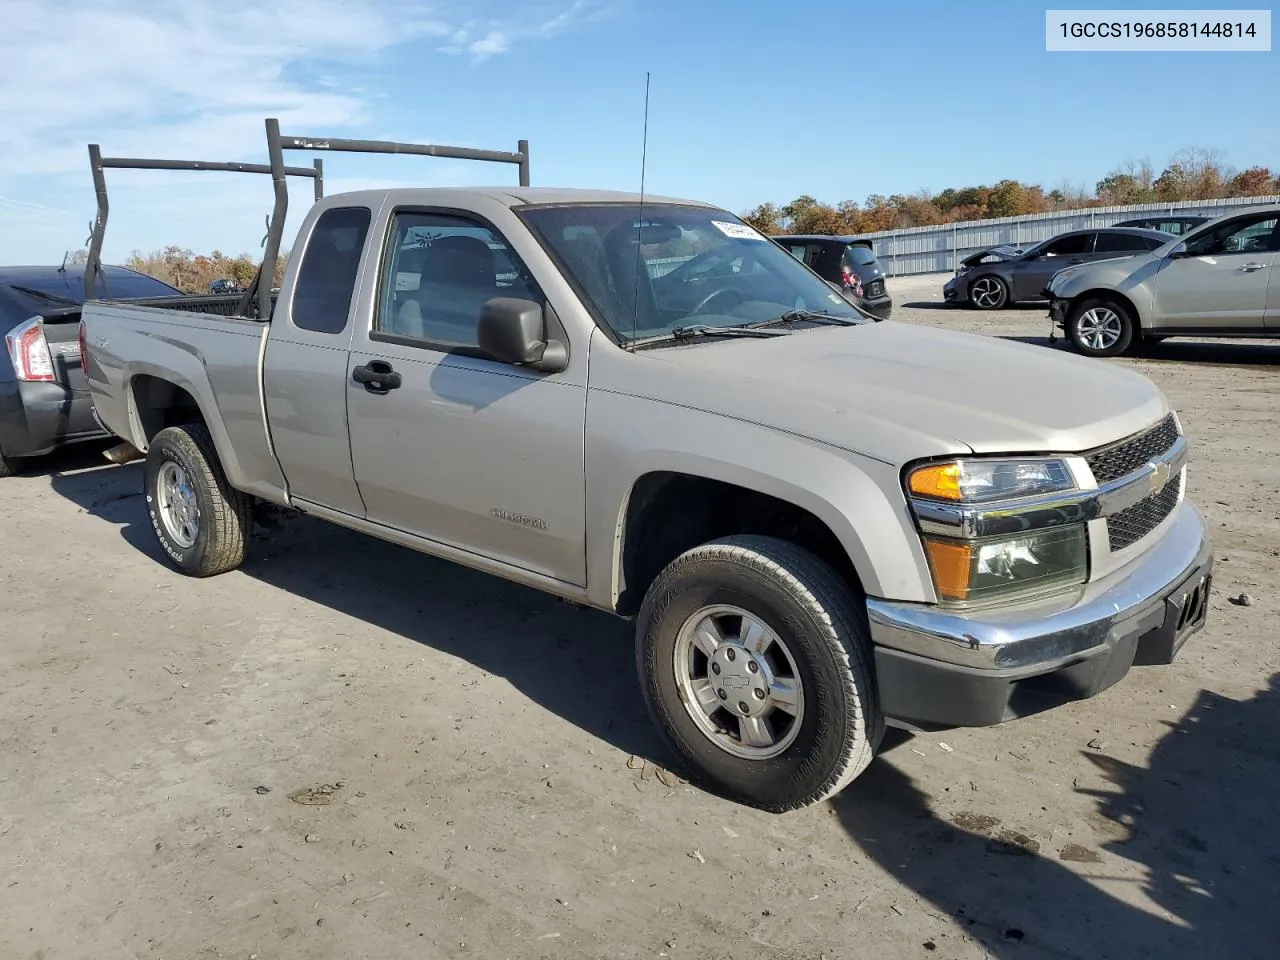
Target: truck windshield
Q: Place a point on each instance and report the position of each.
(680, 266)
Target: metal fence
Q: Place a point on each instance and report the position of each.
(940, 248)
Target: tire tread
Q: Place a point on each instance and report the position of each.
(231, 519)
(829, 601)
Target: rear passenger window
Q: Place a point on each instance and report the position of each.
(327, 277)
(1120, 243)
(439, 272)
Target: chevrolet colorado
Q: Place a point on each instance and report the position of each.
(819, 524)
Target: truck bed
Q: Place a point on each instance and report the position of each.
(214, 357)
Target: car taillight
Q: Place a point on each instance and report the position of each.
(29, 351)
(851, 280)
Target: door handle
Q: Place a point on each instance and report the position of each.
(1250, 267)
(377, 377)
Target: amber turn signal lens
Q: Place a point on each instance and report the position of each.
(941, 481)
(951, 563)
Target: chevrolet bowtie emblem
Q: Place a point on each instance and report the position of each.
(1159, 477)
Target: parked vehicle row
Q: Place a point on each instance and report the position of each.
(1003, 276)
(819, 524)
(1113, 287)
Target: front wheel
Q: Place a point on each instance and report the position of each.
(9, 465)
(756, 665)
(1100, 328)
(988, 293)
(201, 521)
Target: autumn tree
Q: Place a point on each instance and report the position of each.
(1194, 173)
(766, 218)
(1253, 182)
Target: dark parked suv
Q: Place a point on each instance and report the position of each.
(845, 261)
(44, 399)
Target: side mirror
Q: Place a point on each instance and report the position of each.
(1179, 251)
(514, 331)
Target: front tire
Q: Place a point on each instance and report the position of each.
(755, 661)
(201, 521)
(1100, 328)
(9, 465)
(988, 293)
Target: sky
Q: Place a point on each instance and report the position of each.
(751, 101)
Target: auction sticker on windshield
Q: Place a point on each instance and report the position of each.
(737, 231)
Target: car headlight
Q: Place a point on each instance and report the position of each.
(979, 481)
(970, 571)
(976, 569)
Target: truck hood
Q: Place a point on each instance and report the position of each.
(897, 392)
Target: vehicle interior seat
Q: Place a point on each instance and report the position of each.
(458, 277)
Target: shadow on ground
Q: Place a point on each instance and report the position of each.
(1198, 823)
(1224, 353)
(533, 640)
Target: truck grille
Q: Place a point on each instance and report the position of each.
(1133, 523)
(1121, 459)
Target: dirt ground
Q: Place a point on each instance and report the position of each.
(348, 750)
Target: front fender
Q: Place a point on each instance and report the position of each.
(859, 499)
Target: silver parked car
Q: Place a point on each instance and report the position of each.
(1220, 280)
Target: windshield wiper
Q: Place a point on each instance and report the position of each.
(707, 330)
(794, 316)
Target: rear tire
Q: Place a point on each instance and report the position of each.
(790, 715)
(9, 465)
(201, 521)
(1100, 328)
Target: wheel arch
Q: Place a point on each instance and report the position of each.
(831, 509)
(1107, 293)
(164, 398)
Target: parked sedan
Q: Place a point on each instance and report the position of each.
(1000, 276)
(1220, 280)
(44, 399)
(847, 262)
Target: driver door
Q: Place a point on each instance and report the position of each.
(1221, 282)
(1032, 276)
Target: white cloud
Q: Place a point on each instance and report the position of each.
(493, 42)
(194, 79)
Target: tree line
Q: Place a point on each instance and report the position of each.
(194, 272)
(1192, 174)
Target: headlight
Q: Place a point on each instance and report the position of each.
(970, 567)
(1061, 277)
(970, 571)
(981, 481)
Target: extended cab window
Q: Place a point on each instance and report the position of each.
(439, 271)
(327, 277)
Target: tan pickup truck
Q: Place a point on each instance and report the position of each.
(819, 523)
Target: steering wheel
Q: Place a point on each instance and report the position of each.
(738, 300)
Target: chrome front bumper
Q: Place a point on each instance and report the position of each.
(939, 667)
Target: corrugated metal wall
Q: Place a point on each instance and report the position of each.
(939, 249)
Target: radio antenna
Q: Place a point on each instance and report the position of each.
(644, 157)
